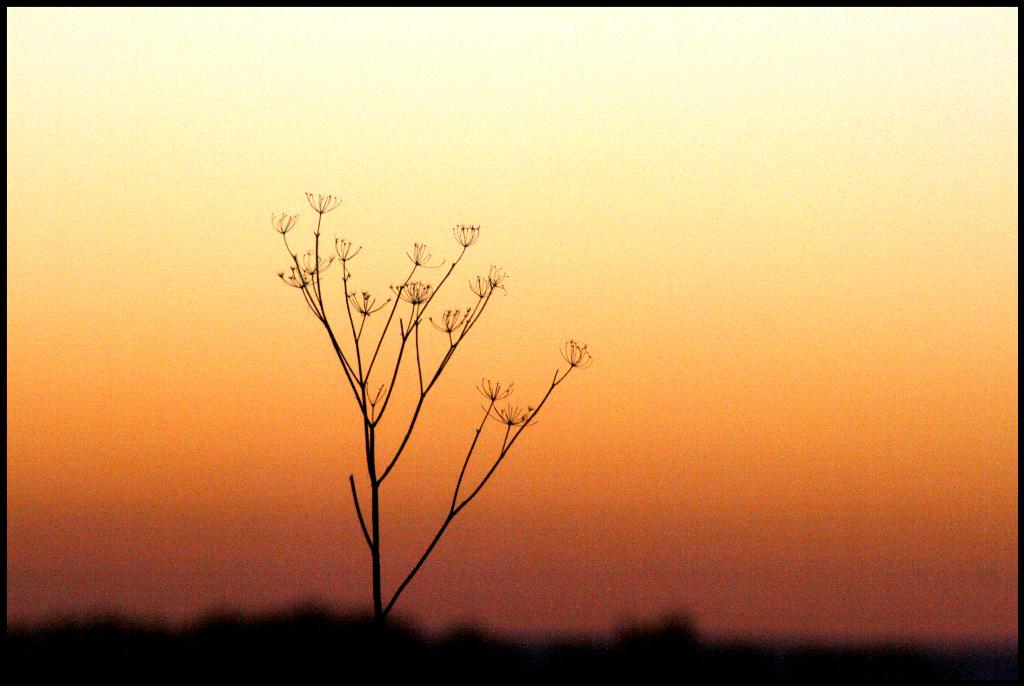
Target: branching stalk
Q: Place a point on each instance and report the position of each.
(305, 276)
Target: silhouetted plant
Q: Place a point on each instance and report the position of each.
(358, 364)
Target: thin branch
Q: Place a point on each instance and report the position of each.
(394, 377)
(453, 512)
(424, 390)
(310, 302)
(405, 439)
(316, 259)
(355, 336)
(441, 283)
(349, 372)
(398, 297)
(465, 463)
(419, 365)
(359, 512)
(507, 444)
(321, 315)
(423, 558)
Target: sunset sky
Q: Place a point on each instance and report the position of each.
(789, 238)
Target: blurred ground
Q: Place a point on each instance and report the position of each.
(311, 642)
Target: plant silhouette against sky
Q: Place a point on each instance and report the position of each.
(360, 358)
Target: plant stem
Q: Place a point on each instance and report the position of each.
(378, 610)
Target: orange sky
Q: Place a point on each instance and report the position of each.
(789, 237)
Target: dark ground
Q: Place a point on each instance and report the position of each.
(316, 646)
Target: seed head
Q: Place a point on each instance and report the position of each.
(295, 278)
(480, 286)
(322, 204)
(451, 320)
(513, 415)
(576, 354)
(416, 292)
(493, 390)
(466, 235)
(345, 249)
(420, 256)
(284, 223)
(311, 264)
(365, 304)
(496, 277)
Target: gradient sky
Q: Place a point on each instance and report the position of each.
(789, 237)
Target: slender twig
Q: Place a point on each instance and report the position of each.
(455, 263)
(359, 511)
(398, 297)
(507, 444)
(419, 563)
(322, 317)
(405, 439)
(424, 390)
(469, 453)
(394, 376)
(355, 336)
(454, 510)
(419, 364)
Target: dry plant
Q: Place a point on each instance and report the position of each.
(361, 360)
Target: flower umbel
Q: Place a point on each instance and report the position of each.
(496, 277)
(295, 278)
(493, 390)
(365, 304)
(322, 204)
(480, 286)
(420, 256)
(311, 264)
(451, 320)
(284, 223)
(416, 292)
(345, 249)
(575, 353)
(466, 235)
(513, 415)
